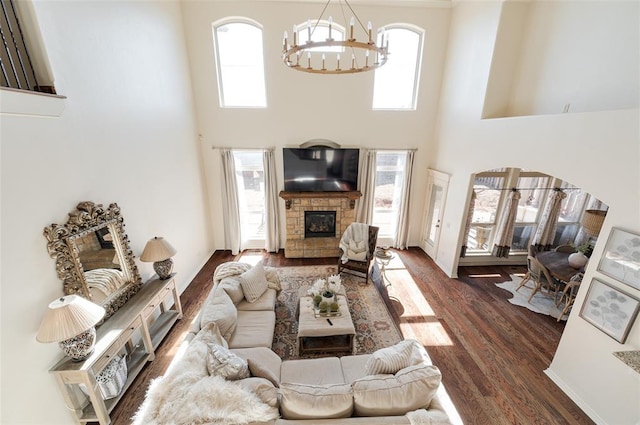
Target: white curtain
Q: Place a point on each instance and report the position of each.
(367, 177)
(272, 222)
(402, 225)
(467, 227)
(230, 204)
(546, 231)
(504, 233)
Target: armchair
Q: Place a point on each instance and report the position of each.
(357, 235)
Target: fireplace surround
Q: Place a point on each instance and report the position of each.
(325, 204)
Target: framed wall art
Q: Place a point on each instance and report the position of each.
(621, 257)
(610, 310)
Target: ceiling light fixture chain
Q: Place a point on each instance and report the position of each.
(318, 55)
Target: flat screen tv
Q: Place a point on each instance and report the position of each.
(320, 169)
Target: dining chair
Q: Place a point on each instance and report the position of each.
(541, 278)
(568, 294)
(565, 248)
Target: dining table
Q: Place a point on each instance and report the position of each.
(558, 265)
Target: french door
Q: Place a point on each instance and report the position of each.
(437, 186)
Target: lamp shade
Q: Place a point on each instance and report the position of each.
(67, 317)
(157, 249)
(592, 221)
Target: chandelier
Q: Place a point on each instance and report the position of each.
(333, 55)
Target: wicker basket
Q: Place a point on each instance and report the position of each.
(112, 378)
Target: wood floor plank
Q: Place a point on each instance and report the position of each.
(492, 354)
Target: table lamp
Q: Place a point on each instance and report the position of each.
(71, 321)
(159, 251)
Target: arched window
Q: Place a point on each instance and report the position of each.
(240, 63)
(396, 83)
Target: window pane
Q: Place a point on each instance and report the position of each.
(521, 237)
(532, 191)
(250, 180)
(395, 85)
(572, 205)
(487, 199)
(479, 237)
(240, 65)
(389, 180)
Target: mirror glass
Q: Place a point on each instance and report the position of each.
(93, 257)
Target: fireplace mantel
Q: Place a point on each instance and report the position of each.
(299, 246)
(352, 196)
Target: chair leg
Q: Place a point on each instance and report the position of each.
(525, 279)
(535, 290)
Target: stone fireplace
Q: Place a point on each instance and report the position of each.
(310, 216)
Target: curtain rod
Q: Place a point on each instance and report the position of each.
(243, 149)
(534, 188)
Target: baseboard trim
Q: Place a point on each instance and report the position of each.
(576, 399)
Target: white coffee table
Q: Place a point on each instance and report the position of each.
(324, 334)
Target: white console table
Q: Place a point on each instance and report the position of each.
(136, 330)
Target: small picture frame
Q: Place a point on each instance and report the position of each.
(610, 310)
(621, 257)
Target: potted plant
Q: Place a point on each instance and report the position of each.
(579, 259)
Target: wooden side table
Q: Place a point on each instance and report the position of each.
(135, 331)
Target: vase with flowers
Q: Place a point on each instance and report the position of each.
(324, 293)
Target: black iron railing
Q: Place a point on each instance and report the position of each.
(15, 62)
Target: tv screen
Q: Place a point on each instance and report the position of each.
(320, 169)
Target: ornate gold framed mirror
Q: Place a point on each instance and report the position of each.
(93, 256)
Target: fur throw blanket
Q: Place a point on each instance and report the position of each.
(236, 268)
(187, 394)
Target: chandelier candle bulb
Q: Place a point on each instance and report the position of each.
(369, 29)
(323, 58)
(366, 59)
(308, 30)
(295, 36)
(309, 60)
(284, 41)
(351, 23)
(330, 25)
(353, 61)
(338, 60)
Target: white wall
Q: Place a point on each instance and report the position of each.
(598, 151)
(304, 106)
(127, 135)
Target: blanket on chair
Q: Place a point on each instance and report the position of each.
(355, 242)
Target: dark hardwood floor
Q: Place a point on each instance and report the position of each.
(492, 354)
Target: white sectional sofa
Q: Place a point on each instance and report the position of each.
(395, 385)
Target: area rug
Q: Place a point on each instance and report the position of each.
(374, 325)
(541, 302)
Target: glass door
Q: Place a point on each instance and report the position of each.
(436, 198)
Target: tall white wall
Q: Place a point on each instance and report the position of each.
(127, 135)
(598, 151)
(304, 106)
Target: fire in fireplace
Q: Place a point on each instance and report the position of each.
(319, 224)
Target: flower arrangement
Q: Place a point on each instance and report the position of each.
(326, 289)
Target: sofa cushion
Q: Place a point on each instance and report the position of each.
(409, 389)
(392, 359)
(221, 311)
(266, 301)
(254, 282)
(222, 362)
(321, 371)
(300, 401)
(353, 367)
(231, 286)
(254, 329)
(263, 363)
(262, 388)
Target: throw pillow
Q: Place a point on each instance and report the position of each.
(222, 311)
(231, 286)
(222, 362)
(254, 282)
(389, 395)
(261, 387)
(263, 363)
(357, 247)
(392, 359)
(298, 401)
